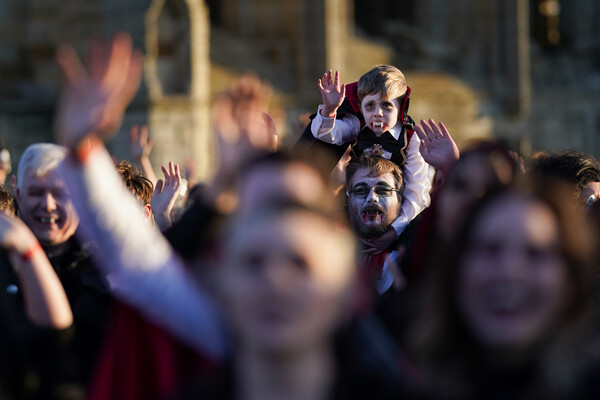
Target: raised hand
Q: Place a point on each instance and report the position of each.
(93, 101)
(165, 195)
(332, 92)
(140, 148)
(240, 123)
(437, 146)
(45, 300)
(243, 131)
(140, 145)
(14, 235)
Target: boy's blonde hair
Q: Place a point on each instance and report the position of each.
(386, 80)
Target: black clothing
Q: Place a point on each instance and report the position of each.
(32, 363)
(369, 144)
(90, 302)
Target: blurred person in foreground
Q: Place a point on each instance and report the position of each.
(512, 310)
(280, 293)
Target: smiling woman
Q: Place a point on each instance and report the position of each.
(513, 311)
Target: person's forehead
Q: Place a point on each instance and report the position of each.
(378, 97)
(592, 188)
(362, 176)
(50, 179)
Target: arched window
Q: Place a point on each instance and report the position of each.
(168, 46)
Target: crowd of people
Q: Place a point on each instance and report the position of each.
(373, 259)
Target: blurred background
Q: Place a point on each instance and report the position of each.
(526, 71)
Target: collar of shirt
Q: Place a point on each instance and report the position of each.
(395, 132)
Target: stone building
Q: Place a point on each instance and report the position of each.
(527, 71)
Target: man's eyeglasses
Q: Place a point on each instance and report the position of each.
(362, 191)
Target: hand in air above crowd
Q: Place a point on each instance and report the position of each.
(437, 146)
(94, 97)
(140, 145)
(165, 195)
(240, 122)
(242, 127)
(333, 93)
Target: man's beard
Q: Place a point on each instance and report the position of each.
(370, 230)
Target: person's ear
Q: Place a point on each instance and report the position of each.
(148, 212)
(15, 189)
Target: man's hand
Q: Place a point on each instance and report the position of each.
(382, 243)
(165, 195)
(93, 101)
(437, 146)
(332, 92)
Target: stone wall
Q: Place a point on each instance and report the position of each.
(481, 66)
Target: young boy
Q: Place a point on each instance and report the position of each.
(377, 124)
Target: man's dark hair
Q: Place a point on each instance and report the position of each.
(136, 181)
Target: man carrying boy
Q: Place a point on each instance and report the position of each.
(381, 128)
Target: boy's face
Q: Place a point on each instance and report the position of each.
(380, 113)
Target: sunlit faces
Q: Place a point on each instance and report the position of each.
(286, 280)
(513, 278)
(46, 207)
(373, 214)
(380, 113)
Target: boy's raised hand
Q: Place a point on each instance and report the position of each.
(333, 93)
(437, 146)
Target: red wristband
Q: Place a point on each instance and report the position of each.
(28, 255)
(85, 147)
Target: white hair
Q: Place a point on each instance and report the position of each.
(39, 159)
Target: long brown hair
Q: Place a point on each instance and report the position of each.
(440, 340)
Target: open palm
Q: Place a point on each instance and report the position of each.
(93, 100)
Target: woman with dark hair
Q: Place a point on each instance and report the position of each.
(512, 311)
(579, 169)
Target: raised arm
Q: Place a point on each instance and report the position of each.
(165, 195)
(333, 93)
(45, 300)
(325, 126)
(140, 147)
(139, 264)
(437, 146)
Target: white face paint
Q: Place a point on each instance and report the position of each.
(380, 114)
(373, 214)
